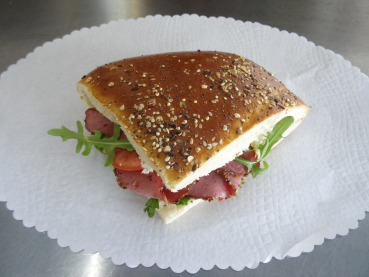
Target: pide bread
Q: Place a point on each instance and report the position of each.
(189, 113)
(183, 128)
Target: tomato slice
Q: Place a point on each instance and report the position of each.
(126, 160)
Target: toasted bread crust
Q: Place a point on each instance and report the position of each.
(182, 108)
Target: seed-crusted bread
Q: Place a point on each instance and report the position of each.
(189, 113)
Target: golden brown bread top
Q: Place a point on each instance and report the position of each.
(184, 107)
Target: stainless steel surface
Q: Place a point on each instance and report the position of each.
(339, 25)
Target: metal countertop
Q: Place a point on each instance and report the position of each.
(339, 25)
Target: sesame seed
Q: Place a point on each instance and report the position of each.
(88, 79)
(225, 128)
(204, 86)
(111, 84)
(190, 158)
(122, 108)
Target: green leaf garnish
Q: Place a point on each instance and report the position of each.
(258, 170)
(99, 141)
(247, 163)
(270, 140)
(151, 205)
(275, 135)
(183, 201)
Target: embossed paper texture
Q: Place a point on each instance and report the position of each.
(316, 187)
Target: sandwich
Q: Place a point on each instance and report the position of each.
(185, 127)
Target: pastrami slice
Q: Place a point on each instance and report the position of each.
(96, 121)
(235, 168)
(212, 186)
(231, 178)
(149, 185)
(173, 197)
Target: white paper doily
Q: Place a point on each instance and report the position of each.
(317, 185)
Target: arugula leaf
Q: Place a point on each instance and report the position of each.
(99, 141)
(151, 205)
(255, 171)
(183, 201)
(246, 163)
(270, 140)
(275, 135)
(101, 149)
